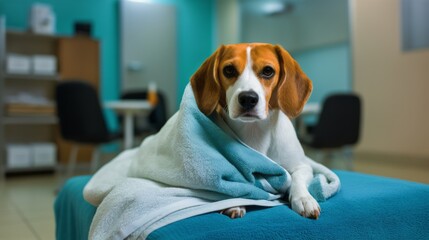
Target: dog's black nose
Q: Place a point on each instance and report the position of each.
(248, 99)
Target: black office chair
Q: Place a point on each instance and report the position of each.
(156, 119)
(81, 119)
(338, 126)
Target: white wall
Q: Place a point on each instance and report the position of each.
(227, 22)
(394, 84)
(310, 24)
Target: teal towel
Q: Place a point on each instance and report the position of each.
(192, 151)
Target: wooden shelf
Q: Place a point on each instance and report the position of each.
(30, 169)
(30, 120)
(30, 35)
(32, 77)
(29, 110)
(77, 58)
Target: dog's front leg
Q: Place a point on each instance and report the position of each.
(234, 212)
(301, 200)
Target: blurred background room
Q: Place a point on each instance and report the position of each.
(130, 61)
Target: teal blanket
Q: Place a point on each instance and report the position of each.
(190, 167)
(367, 207)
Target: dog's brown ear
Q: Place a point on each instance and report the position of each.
(205, 83)
(294, 87)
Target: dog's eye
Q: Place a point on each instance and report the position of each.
(230, 71)
(267, 72)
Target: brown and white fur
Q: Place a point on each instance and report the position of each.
(257, 88)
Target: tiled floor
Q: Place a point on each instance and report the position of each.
(26, 210)
(26, 202)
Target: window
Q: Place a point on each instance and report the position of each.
(415, 27)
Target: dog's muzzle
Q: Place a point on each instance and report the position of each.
(248, 100)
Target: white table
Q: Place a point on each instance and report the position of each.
(129, 108)
(311, 108)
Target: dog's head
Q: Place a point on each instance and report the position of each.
(248, 80)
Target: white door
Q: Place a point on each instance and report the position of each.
(148, 48)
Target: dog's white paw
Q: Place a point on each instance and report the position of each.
(306, 206)
(234, 212)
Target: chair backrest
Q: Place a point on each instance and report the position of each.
(339, 121)
(158, 116)
(80, 115)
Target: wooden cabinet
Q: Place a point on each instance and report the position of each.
(28, 123)
(79, 60)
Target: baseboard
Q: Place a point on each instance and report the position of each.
(393, 158)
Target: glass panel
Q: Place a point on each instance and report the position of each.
(415, 27)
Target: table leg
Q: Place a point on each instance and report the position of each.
(300, 124)
(129, 128)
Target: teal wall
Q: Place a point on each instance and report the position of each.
(329, 69)
(194, 27)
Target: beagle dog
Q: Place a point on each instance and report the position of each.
(256, 89)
